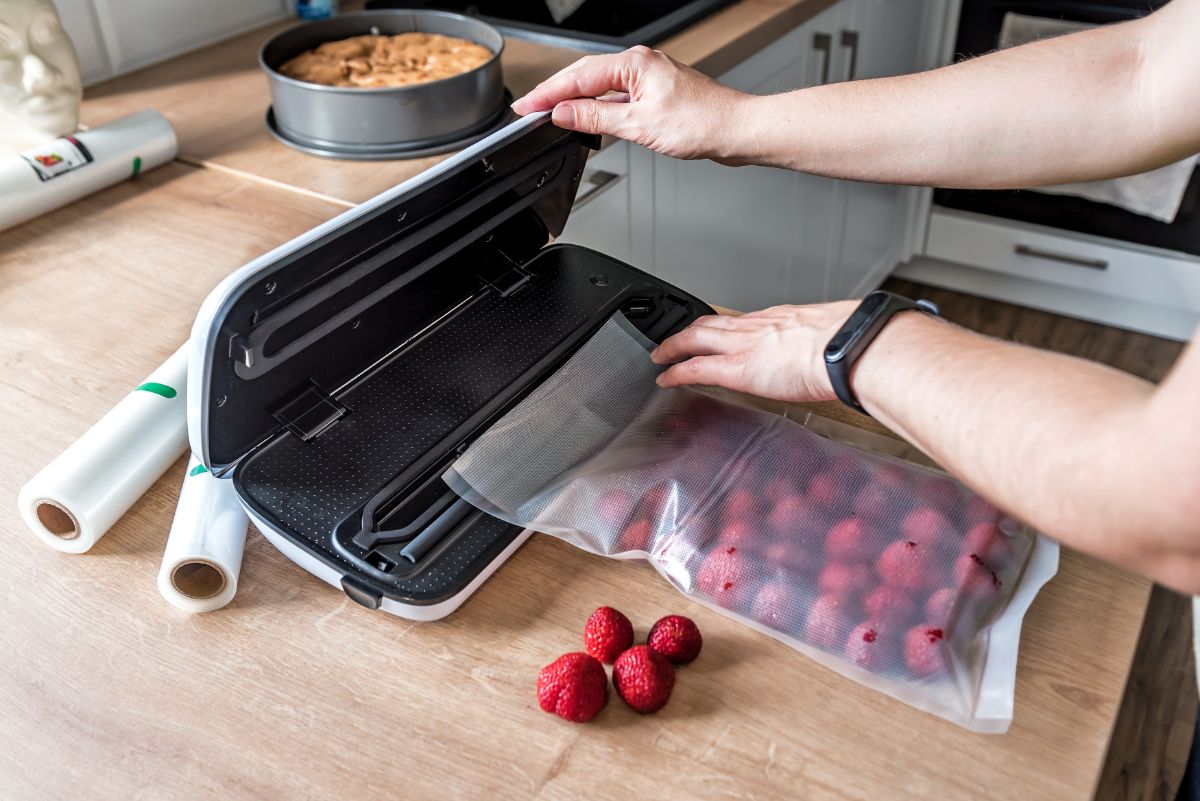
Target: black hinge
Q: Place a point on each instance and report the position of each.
(311, 411)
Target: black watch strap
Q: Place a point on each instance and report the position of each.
(863, 325)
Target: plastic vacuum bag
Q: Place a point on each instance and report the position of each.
(886, 571)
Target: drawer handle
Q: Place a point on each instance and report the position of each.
(598, 183)
(823, 42)
(1064, 258)
(850, 40)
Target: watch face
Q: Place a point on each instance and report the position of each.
(848, 333)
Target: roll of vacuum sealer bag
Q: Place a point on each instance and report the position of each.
(76, 498)
(66, 169)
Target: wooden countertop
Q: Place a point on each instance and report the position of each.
(293, 691)
(217, 98)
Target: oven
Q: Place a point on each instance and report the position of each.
(983, 25)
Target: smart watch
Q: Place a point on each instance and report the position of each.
(858, 332)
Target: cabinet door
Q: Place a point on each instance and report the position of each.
(736, 236)
(602, 216)
(880, 38)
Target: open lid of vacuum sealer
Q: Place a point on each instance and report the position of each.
(277, 341)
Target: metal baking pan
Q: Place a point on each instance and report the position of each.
(352, 117)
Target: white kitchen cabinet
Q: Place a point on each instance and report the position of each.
(117, 36)
(751, 237)
(877, 38)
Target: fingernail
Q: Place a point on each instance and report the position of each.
(563, 115)
(659, 379)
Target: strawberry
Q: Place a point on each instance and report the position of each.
(614, 507)
(871, 646)
(739, 505)
(927, 525)
(941, 493)
(637, 536)
(793, 556)
(655, 501)
(907, 564)
(989, 542)
(726, 576)
(923, 650)
(736, 534)
(607, 633)
(677, 638)
(573, 687)
(827, 622)
(849, 541)
(846, 581)
(875, 504)
(644, 678)
(891, 476)
(977, 510)
(825, 491)
(975, 577)
(889, 605)
(780, 606)
(792, 513)
(778, 487)
(939, 606)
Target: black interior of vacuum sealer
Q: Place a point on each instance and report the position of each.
(378, 469)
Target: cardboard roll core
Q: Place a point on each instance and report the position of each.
(198, 579)
(57, 520)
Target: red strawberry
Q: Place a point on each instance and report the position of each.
(875, 503)
(941, 493)
(779, 605)
(792, 513)
(825, 491)
(977, 510)
(849, 541)
(923, 650)
(927, 525)
(726, 576)
(778, 487)
(827, 622)
(989, 542)
(889, 605)
(907, 564)
(794, 556)
(654, 502)
(677, 638)
(740, 505)
(891, 476)
(607, 633)
(637, 536)
(975, 577)
(843, 580)
(573, 687)
(614, 507)
(940, 606)
(871, 646)
(735, 534)
(644, 678)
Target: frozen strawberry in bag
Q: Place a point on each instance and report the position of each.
(886, 571)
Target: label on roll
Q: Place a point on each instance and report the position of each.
(55, 158)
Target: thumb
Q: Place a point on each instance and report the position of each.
(590, 116)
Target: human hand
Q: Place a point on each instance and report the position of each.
(659, 103)
(775, 353)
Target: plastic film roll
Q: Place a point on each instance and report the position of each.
(76, 498)
(66, 169)
(200, 566)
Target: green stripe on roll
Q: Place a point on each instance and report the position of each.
(197, 470)
(157, 389)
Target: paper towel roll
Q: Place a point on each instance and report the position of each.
(79, 495)
(66, 169)
(204, 550)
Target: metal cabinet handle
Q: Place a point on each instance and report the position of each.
(850, 40)
(598, 183)
(1064, 258)
(823, 43)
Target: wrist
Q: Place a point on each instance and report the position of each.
(737, 140)
(904, 334)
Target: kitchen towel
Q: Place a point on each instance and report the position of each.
(1155, 194)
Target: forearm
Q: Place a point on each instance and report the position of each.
(1085, 453)
(1077, 107)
